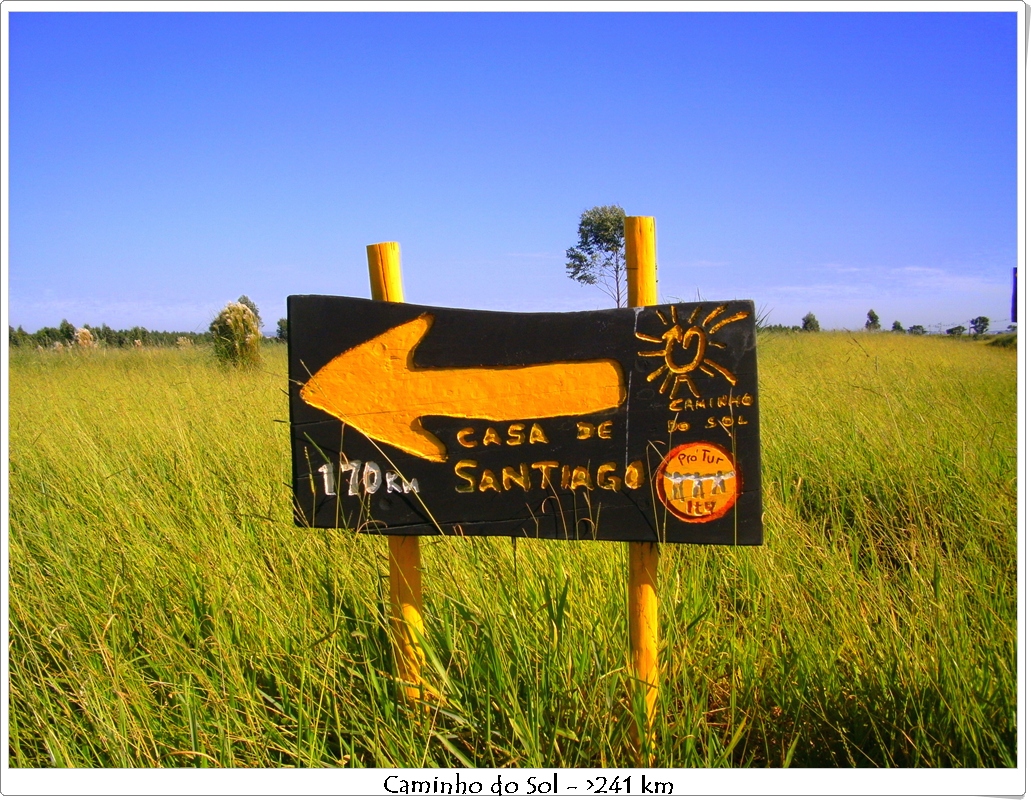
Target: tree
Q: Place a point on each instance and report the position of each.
(282, 329)
(917, 330)
(250, 304)
(955, 331)
(873, 322)
(980, 325)
(19, 337)
(599, 257)
(236, 336)
(810, 323)
(896, 327)
(66, 331)
(137, 333)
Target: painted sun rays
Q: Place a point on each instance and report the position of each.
(685, 349)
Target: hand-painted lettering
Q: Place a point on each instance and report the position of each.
(489, 481)
(353, 467)
(545, 467)
(606, 480)
(328, 480)
(516, 436)
(509, 476)
(711, 456)
(585, 430)
(726, 421)
(634, 476)
(721, 401)
(372, 477)
(462, 465)
(580, 478)
(571, 477)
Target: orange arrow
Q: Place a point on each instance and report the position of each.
(377, 388)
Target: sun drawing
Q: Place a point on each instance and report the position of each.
(678, 366)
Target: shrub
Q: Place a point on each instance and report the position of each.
(917, 330)
(250, 304)
(1008, 340)
(236, 336)
(958, 330)
(896, 327)
(84, 338)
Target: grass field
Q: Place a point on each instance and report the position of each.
(164, 610)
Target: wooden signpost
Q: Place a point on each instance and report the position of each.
(405, 559)
(638, 424)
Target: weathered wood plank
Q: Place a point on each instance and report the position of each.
(622, 424)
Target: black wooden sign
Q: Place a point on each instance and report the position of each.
(624, 424)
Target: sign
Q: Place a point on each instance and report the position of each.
(623, 424)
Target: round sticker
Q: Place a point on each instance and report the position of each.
(698, 482)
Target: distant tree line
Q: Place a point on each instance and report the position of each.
(65, 335)
(978, 326)
(68, 335)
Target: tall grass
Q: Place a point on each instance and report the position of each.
(164, 610)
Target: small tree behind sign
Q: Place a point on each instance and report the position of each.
(599, 256)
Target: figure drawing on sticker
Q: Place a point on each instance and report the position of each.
(718, 485)
(677, 365)
(719, 481)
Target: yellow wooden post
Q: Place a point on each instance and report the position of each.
(643, 607)
(405, 567)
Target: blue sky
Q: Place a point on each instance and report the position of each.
(162, 164)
